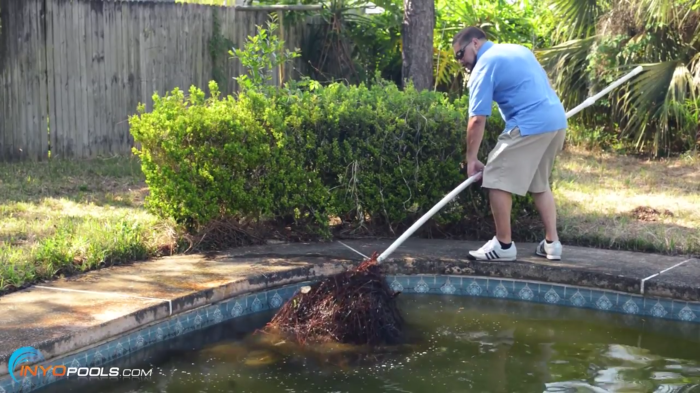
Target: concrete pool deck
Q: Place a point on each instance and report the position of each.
(69, 315)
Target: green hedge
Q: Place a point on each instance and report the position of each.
(376, 157)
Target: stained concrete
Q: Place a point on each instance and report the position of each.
(682, 282)
(597, 268)
(60, 322)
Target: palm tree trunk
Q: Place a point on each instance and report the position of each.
(417, 36)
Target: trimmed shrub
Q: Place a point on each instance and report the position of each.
(376, 157)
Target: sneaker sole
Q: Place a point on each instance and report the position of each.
(550, 257)
(473, 258)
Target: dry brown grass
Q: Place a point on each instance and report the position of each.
(617, 201)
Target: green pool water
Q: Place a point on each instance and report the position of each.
(461, 344)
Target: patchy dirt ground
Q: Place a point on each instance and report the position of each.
(646, 213)
(616, 201)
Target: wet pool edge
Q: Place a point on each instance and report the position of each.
(269, 291)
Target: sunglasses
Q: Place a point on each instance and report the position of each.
(460, 53)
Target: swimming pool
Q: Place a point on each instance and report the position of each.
(558, 307)
(457, 344)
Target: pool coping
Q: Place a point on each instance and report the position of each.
(410, 271)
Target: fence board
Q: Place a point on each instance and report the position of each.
(3, 111)
(131, 63)
(20, 89)
(79, 77)
(24, 132)
(43, 84)
(201, 20)
(50, 82)
(143, 69)
(81, 100)
(157, 52)
(66, 84)
(4, 82)
(135, 50)
(5, 136)
(89, 81)
(228, 31)
(15, 103)
(186, 59)
(74, 77)
(9, 60)
(168, 38)
(123, 107)
(102, 114)
(31, 68)
(38, 135)
(180, 25)
(207, 64)
(152, 52)
(108, 124)
(58, 114)
(15, 114)
(80, 68)
(113, 79)
(59, 134)
(114, 137)
(118, 107)
(238, 38)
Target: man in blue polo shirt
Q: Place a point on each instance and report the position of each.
(534, 135)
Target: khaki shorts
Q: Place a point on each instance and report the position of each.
(520, 164)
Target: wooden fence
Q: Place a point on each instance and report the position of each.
(72, 72)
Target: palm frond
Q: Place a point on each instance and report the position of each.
(469, 15)
(695, 68)
(658, 12)
(657, 109)
(445, 67)
(567, 64)
(655, 99)
(578, 18)
(693, 20)
(464, 11)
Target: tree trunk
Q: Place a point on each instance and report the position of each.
(417, 38)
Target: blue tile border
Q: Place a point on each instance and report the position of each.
(548, 293)
(448, 285)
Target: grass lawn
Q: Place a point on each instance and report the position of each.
(66, 217)
(619, 202)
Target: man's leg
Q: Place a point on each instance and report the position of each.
(501, 205)
(509, 170)
(544, 200)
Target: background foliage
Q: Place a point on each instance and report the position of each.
(596, 42)
(346, 142)
(376, 157)
(584, 45)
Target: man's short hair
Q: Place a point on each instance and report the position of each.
(467, 34)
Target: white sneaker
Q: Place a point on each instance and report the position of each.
(550, 251)
(492, 251)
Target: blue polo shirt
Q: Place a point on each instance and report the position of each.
(511, 75)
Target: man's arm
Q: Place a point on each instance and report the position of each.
(480, 103)
(475, 134)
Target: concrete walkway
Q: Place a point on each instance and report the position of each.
(68, 314)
